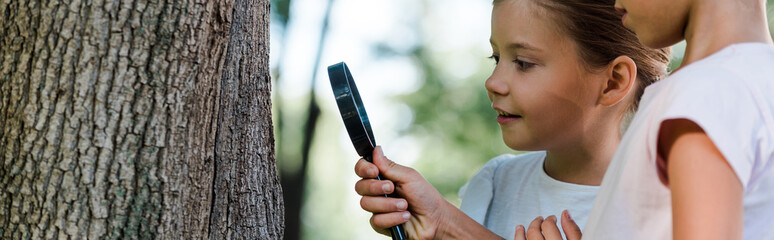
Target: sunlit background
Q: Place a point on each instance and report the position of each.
(420, 66)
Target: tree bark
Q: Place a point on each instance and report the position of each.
(136, 119)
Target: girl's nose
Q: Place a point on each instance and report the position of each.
(495, 84)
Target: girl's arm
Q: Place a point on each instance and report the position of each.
(706, 193)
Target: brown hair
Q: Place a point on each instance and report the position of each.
(596, 28)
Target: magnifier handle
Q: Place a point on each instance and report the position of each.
(396, 232)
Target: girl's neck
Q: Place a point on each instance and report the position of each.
(585, 161)
(716, 24)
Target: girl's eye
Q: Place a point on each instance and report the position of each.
(495, 57)
(523, 65)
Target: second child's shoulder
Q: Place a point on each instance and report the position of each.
(739, 73)
(736, 67)
(727, 88)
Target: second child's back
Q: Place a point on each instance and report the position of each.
(730, 95)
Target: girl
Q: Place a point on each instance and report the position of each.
(698, 161)
(567, 73)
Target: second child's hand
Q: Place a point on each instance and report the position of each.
(424, 213)
(546, 229)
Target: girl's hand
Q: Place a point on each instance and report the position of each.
(424, 213)
(418, 206)
(546, 229)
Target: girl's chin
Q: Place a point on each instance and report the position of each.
(520, 144)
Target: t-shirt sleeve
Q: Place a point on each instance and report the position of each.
(725, 109)
(477, 193)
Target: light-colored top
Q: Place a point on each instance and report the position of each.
(513, 190)
(730, 95)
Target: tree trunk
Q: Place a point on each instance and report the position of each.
(136, 119)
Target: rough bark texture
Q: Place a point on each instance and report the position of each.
(243, 140)
(136, 119)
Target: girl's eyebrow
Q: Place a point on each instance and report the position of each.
(518, 46)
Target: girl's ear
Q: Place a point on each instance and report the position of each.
(621, 78)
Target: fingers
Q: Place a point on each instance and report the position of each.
(546, 229)
(373, 187)
(383, 231)
(570, 228)
(533, 232)
(381, 222)
(549, 228)
(520, 235)
(389, 169)
(383, 204)
(365, 169)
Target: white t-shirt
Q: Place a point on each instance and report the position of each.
(730, 95)
(513, 190)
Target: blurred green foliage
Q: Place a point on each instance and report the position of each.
(280, 10)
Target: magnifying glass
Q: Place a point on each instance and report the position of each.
(356, 120)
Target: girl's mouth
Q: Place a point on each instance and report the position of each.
(505, 118)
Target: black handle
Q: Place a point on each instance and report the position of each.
(397, 232)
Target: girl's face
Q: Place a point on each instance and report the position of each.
(540, 88)
(657, 23)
